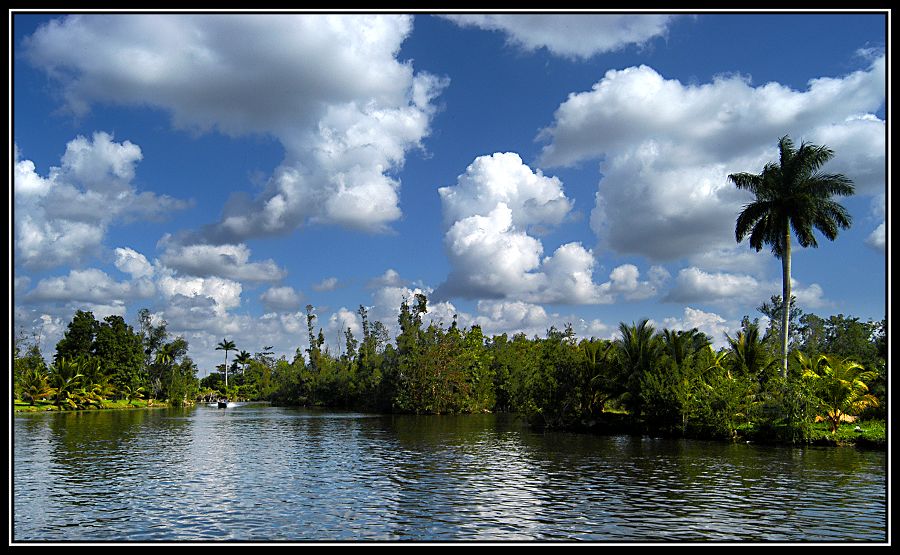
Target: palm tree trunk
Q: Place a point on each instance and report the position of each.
(785, 299)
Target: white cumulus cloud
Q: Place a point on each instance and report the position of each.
(63, 218)
(668, 147)
(571, 35)
(710, 323)
(490, 214)
(281, 299)
(329, 87)
(226, 260)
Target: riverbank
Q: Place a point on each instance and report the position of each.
(44, 406)
(871, 434)
(868, 434)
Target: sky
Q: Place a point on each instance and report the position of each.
(523, 170)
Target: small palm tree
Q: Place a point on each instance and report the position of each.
(226, 345)
(791, 195)
(840, 385)
(130, 392)
(34, 386)
(243, 358)
(748, 353)
(682, 344)
(65, 379)
(638, 350)
(601, 381)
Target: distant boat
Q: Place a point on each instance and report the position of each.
(223, 404)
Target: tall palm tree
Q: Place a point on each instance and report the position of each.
(226, 345)
(792, 194)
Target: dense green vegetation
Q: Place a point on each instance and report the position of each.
(669, 382)
(105, 364)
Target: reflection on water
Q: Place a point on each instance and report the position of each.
(259, 473)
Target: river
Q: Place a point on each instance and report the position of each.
(255, 473)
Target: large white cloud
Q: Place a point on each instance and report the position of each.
(502, 178)
(571, 35)
(491, 257)
(876, 239)
(489, 214)
(281, 299)
(134, 263)
(91, 286)
(668, 147)
(63, 218)
(329, 87)
(227, 261)
(223, 294)
(693, 285)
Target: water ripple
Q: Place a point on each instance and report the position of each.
(257, 473)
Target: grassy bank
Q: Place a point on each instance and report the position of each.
(43, 406)
(869, 434)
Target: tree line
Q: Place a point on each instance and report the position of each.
(668, 381)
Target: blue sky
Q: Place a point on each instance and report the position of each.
(524, 171)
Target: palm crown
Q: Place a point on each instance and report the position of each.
(792, 192)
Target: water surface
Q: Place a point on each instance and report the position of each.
(259, 473)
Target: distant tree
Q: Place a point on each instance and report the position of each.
(313, 349)
(792, 195)
(226, 345)
(27, 364)
(683, 344)
(812, 335)
(772, 336)
(243, 358)
(65, 378)
(602, 382)
(78, 339)
(118, 347)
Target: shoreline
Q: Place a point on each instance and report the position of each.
(873, 437)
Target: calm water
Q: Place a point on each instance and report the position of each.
(260, 473)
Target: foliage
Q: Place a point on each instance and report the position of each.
(28, 367)
(669, 382)
(784, 411)
(121, 350)
(839, 386)
(78, 339)
(65, 379)
(34, 385)
(639, 348)
(748, 356)
(131, 394)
